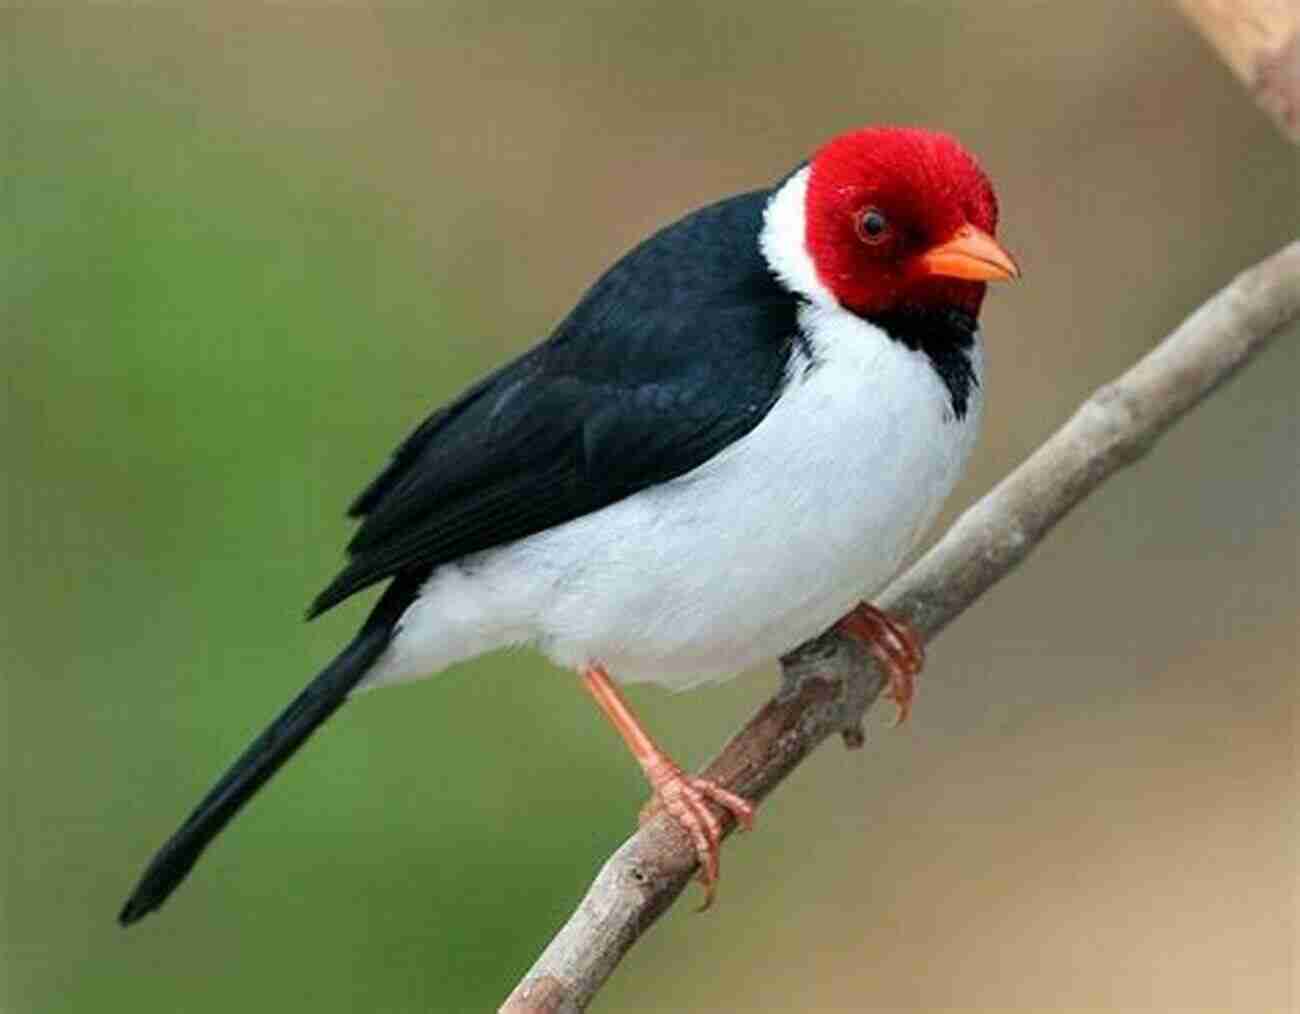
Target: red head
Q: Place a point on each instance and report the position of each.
(902, 218)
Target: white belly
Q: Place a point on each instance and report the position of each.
(737, 561)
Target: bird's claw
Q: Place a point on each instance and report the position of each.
(895, 645)
(686, 799)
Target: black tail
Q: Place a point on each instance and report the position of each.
(319, 699)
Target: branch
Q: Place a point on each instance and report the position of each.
(828, 682)
(1260, 41)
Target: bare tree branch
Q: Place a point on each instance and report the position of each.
(828, 683)
(1260, 41)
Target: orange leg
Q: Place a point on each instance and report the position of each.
(895, 645)
(685, 797)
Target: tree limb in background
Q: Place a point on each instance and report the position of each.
(1260, 41)
(829, 682)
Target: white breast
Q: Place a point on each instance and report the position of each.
(736, 562)
(739, 560)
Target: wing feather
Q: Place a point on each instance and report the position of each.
(677, 351)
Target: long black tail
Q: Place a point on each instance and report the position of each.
(318, 701)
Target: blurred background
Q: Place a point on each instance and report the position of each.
(246, 248)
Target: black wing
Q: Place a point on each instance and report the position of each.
(677, 351)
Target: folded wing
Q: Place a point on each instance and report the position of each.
(680, 349)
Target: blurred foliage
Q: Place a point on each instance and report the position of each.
(246, 247)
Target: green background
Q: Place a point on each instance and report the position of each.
(245, 248)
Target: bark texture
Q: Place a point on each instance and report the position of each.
(1260, 41)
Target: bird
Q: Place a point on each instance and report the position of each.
(729, 445)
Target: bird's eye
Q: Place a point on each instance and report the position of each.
(872, 226)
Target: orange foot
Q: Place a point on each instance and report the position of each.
(895, 645)
(686, 799)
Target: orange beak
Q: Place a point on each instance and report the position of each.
(972, 254)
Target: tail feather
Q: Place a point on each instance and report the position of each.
(317, 702)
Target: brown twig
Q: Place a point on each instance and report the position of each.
(828, 683)
(1260, 41)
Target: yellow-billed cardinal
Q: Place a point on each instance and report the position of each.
(736, 435)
